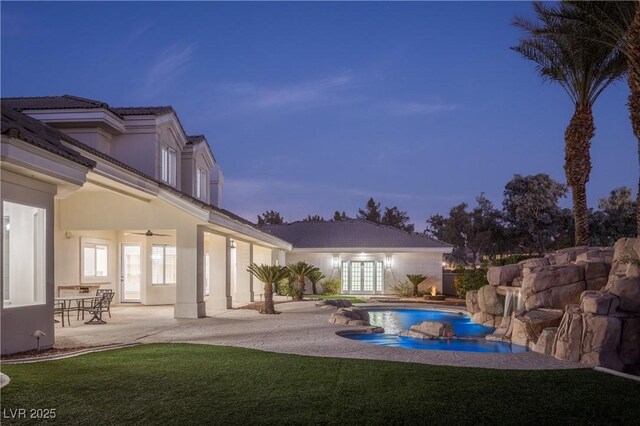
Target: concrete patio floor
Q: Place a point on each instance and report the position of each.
(301, 329)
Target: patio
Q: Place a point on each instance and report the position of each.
(301, 329)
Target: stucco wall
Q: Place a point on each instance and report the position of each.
(19, 323)
(429, 264)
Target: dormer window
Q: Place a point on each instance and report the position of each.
(201, 184)
(168, 165)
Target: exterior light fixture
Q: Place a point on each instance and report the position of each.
(233, 244)
(336, 262)
(388, 261)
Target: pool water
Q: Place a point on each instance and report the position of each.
(471, 335)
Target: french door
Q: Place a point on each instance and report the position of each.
(131, 273)
(362, 277)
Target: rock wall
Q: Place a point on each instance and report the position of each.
(580, 304)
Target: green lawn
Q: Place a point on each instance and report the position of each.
(197, 384)
(351, 299)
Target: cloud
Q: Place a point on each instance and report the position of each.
(138, 32)
(416, 108)
(247, 97)
(171, 62)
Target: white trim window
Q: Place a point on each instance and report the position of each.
(23, 255)
(164, 265)
(168, 165)
(201, 184)
(95, 260)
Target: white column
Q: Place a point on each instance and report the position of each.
(190, 274)
(220, 285)
(243, 292)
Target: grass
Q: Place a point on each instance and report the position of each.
(351, 299)
(199, 384)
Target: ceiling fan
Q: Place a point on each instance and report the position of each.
(148, 234)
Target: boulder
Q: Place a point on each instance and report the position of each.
(596, 254)
(350, 316)
(430, 330)
(595, 274)
(569, 335)
(489, 302)
(597, 302)
(534, 263)
(503, 275)
(471, 299)
(517, 282)
(546, 340)
(503, 331)
(545, 277)
(528, 325)
(556, 297)
(487, 319)
(566, 256)
(630, 342)
(600, 341)
(628, 290)
(624, 248)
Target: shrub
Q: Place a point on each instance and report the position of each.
(402, 289)
(283, 287)
(513, 259)
(331, 286)
(470, 279)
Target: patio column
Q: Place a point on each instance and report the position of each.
(243, 292)
(220, 285)
(190, 272)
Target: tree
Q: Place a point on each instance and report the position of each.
(397, 219)
(566, 54)
(479, 231)
(339, 217)
(371, 212)
(270, 217)
(314, 218)
(415, 280)
(269, 275)
(532, 212)
(614, 24)
(615, 217)
(315, 277)
(298, 272)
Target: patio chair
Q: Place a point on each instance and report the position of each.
(58, 309)
(101, 291)
(99, 305)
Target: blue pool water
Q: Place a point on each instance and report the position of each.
(471, 334)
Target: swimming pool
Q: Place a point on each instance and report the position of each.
(471, 335)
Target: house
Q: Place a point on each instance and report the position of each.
(120, 198)
(367, 258)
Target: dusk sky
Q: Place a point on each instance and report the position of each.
(315, 107)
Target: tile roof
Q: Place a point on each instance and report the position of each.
(351, 233)
(20, 126)
(54, 102)
(153, 110)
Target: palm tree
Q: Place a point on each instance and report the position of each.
(616, 24)
(416, 280)
(315, 278)
(269, 275)
(299, 271)
(583, 68)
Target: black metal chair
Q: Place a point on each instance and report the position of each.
(99, 305)
(59, 309)
(101, 291)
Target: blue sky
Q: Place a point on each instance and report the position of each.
(315, 107)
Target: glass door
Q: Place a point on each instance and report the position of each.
(131, 277)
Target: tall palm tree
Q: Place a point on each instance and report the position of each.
(315, 278)
(299, 271)
(583, 68)
(269, 275)
(617, 24)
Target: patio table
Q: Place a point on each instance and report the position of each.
(68, 300)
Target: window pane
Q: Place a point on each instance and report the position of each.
(164, 164)
(198, 189)
(24, 254)
(101, 261)
(356, 277)
(89, 256)
(170, 269)
(157, 264)
(379, 277)
(207, 265)
(367, 273)
(345, 277)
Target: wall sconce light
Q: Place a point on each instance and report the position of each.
(233, 244)
(336, 262)
(388, 261)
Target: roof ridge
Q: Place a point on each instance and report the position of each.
(144, 107)
(96, 102)
(30, 97)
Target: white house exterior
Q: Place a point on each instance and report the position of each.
(82, 183)
(367, 258)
